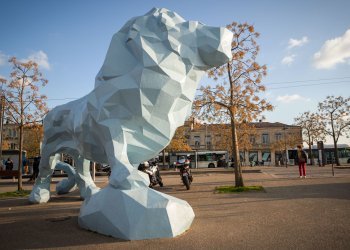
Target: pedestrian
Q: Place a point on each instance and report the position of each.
(9, 164)
(302, 159)
(36, 163)
(25, 166)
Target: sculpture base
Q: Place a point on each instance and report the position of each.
(135, 214)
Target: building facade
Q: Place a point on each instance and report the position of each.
(32, 137)
(262, 143)
(10, 136)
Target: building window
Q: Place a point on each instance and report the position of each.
(252, 139)
(197, 141)
(218, 141)
(265, 139)
(253, 156)
(208, 141)
(278, 136)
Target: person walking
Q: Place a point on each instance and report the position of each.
(9, 164)
(302, 159)
(36, 163)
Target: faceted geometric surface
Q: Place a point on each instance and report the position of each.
(143, 92)
(69, 184)
(130, 210)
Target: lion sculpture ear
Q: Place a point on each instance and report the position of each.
(169, 20)
(167, 17)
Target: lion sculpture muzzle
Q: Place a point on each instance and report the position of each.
(142, 93)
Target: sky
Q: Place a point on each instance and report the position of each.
(305, 44)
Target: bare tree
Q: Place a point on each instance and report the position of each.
(24, 104)
(246, 134)
(289, 140)
(312, 126)
(33, 136)
(237, 98)
(334, 112)
(178, 142)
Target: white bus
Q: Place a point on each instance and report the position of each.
(199, 159)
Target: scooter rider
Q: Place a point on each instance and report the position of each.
(153, 173)
(188, 164)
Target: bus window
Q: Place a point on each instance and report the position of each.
(253, 156)
(266, 156)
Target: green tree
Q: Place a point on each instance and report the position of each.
(236, 99)
(24, 104)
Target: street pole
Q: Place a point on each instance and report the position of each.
(205, 139)
(332, 159)
(196, 158)
(285, 145)
(2, 103)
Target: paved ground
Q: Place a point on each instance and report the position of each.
(292, 213)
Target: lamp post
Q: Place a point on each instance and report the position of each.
(205, 138)
(285, 144)
(2, 108)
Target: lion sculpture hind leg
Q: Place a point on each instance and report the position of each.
(41, 189)
(77, 177)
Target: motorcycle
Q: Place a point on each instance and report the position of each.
(185, 172)
(151, 168)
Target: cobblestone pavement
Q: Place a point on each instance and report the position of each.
(290, 213)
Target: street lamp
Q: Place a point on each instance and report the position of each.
(205, 138)
(285, 144)
(2, 109)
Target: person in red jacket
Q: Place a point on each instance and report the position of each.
(302, 159)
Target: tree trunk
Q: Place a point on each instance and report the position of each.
(163, 152)
(311, 155)
(335, 143)
(336, 152)
(20, 158)
(237, 162)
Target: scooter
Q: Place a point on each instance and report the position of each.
(151, 168)
(185, 172)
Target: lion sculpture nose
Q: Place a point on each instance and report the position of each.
(215, 47)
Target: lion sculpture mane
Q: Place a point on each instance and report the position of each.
(142, 93)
